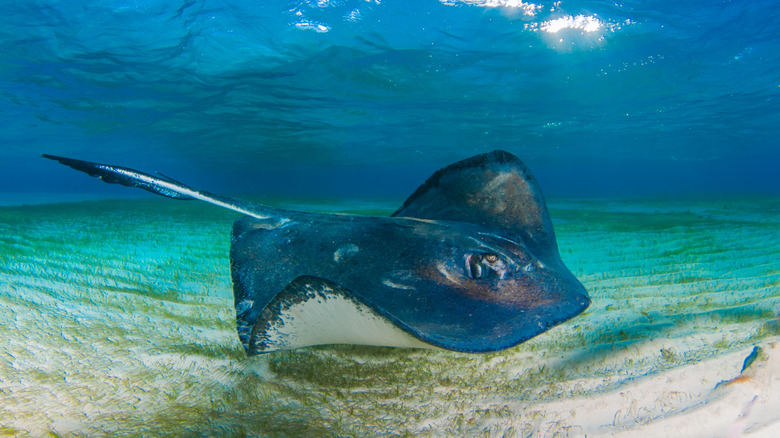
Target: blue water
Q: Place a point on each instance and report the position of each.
(360, 98)
(117, 318)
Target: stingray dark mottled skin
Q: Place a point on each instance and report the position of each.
(468, 263)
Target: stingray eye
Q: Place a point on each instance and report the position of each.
(490, 258)
(485, 265)
(473, 266)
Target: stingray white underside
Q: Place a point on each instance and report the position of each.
(328, 317)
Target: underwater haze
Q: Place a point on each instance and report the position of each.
(356, 98)
(652, 128)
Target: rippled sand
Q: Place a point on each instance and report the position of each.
(116, 319)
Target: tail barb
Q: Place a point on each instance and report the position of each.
(128, 177)
(165, 186)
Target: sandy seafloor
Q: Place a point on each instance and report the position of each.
(116, 319)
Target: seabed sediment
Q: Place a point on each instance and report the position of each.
(116, 318)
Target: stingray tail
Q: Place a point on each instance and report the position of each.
(165, 186)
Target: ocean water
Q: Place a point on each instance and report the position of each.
(652, 128)
(362, 98)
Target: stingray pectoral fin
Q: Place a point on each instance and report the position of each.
(164, 186)
(314, 311)
(495, 190)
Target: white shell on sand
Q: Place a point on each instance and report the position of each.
(116, 319)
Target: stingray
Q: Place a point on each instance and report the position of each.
(469, 263)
